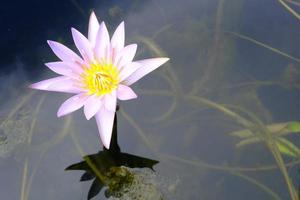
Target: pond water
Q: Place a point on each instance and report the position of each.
(218, 121)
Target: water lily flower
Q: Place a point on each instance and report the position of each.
(102, 74)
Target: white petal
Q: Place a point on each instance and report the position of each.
(118, 38)
(83, 45)
(65, 68)
(64, 53)
(129, 69)
(105, 121)
(109, 54)
(58, 84)
(125, 56)
(92, 106)
(147, 66)
(93, 29)
(102, 42)
(125, 93)
(72, 104)
(110, 101)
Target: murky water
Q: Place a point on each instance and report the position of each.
(221, 117)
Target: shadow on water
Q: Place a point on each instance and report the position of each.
(109, 168)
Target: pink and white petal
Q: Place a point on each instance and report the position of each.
(58, 84)
(147, 66)
(102, 42)
(125, 93)
(92, 106)
(110, 101)
(125, 56)
(45, 84)
(64, 68)
(118, 38)
(105, 121)
(63, 52)
(128, 70)
(72, 104)
(93, 29)
(83, 45)
(109, 54)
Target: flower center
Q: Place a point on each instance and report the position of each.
(100, 79)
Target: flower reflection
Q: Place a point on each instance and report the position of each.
(110, 168)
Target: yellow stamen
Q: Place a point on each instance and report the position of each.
(100, 78)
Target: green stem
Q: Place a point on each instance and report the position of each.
(289, 9)
(87, 159)
(244, 37)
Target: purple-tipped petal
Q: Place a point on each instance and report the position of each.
(125, 56)
(64, 68)
(125, 93)
(105, 120)
(58, 84)
(118, 38)
(83, 45)
(93, 29)
(128, 69)
(64, 53)
(92, 106)
(110, 101)
(147, 66)
(72, 104)
(102, 42)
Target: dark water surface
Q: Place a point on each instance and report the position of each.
(234, 65)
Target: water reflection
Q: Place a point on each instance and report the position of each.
(240, 56)
(110, 168)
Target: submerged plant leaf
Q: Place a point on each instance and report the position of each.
(293, 127)
(248, 141)
(278, 130)
(288, 148)
(242, 134)
(285, 146)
